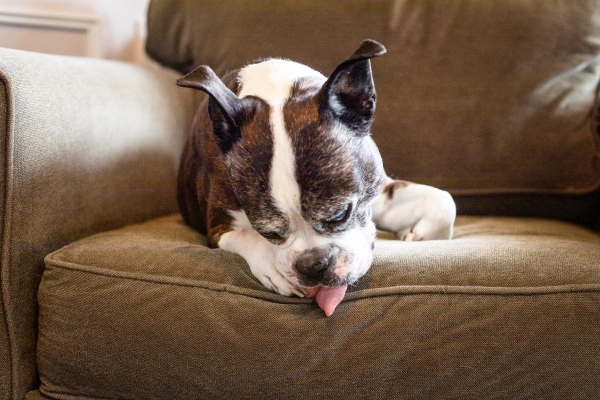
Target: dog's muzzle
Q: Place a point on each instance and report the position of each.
(317, 266)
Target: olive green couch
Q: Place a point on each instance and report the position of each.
(106, 294)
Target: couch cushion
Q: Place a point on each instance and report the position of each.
(509, 307)
(479, 98)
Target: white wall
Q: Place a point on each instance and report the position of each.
(122, 22)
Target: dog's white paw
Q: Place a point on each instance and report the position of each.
(273, 280)
(414, 212)
(261, 257)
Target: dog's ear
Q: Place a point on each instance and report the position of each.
(225, 109)
(349, 93)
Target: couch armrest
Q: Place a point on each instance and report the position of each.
(87, 145)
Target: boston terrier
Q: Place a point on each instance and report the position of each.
(281, 169)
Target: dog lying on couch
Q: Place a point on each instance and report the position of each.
(281, 169)
(507, 309)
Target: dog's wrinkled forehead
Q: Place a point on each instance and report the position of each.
(302, 161)
(262, 164)
(296, 144)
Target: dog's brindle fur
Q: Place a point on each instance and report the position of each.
(330, 171)
(288, 176)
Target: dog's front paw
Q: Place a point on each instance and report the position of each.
(261, 257)
(273, 280)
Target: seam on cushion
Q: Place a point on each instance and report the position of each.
(66, 396)
(6, 228)
(528, 191)
(358, 295)
(167, 280)
(482, 290)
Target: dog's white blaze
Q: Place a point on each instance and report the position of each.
(272, 81)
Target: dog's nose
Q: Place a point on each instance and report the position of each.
(314, 263)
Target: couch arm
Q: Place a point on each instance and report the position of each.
(86, 145)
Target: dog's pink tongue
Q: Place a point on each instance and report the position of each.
(328, 298)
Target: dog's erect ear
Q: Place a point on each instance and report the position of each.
(225, 109)
(349, 93)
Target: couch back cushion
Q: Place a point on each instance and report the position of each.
(479, 98)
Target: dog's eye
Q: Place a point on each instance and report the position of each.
(342, 216)
(273, 237)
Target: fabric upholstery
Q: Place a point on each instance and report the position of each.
(87, 145)
(507, 309)
(484, 99)
(5, 360)
(35, 395)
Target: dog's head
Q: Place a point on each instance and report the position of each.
(301, 161)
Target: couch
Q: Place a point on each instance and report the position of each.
(106, 293)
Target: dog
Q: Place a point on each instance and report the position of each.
(280, 168)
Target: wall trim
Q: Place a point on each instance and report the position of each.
(66, 22)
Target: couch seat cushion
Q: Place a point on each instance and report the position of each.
(509, 307)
